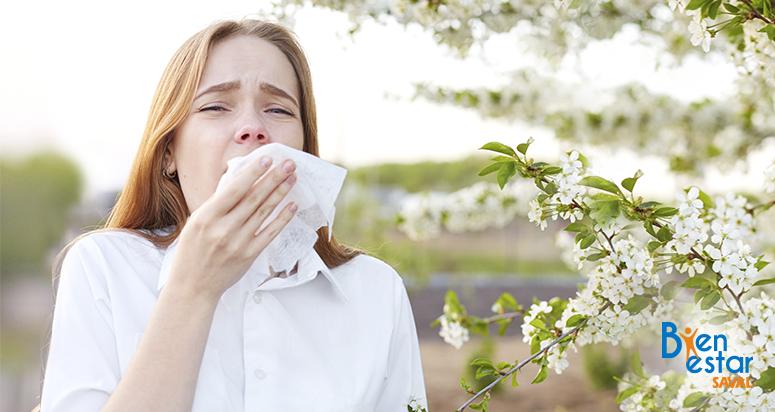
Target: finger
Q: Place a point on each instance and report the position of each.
(240, 185)
(266, 208)
(260, 241)
(261, 190)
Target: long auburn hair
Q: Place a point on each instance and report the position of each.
(150, 201)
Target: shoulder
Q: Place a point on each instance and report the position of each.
(369, 271)
(100, 254)
(114, 242)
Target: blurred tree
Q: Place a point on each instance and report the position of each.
(36, 196)
(689, 135)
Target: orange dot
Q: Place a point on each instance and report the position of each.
(687, 331)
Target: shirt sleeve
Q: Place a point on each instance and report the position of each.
(83, 368)
(404, 381)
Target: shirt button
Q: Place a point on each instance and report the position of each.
(260, 373)
(258, 298)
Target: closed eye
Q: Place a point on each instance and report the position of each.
(215, 108)
(280, 111)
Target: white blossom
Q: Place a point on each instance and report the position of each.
(453, 332)
(699, 30)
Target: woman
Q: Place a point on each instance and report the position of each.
(136, 329)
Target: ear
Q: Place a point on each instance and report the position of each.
(168, 164)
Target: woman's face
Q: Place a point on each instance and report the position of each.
(248, 96)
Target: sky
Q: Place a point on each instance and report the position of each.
(78, 78)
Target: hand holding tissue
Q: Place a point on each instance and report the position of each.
(317, 185)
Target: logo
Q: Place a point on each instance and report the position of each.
(707, 345)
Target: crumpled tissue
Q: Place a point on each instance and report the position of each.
(317, 185)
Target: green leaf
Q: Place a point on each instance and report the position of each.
(575, 320)
(504, 365)
(603, 197)
(700, 295)
(507, 171)
(476, 407)
(578, 227)
(538, 323)
(664, 234)
(706, 201)
(665, 212)
(522, 148)
(637, 303)
(464, 385)
(670, 290)
(491, 168)
(500, 148)
(608, 210)
(647, 205)
(503, 159)
(730, 8)
(649, 228)
(514, 380)
(503, 327)
(636, 365)
(507, 301)
(652, 246)
(695, 4)
(761, 264)
(541, 376)
(600, 183)
(452, 302)
(587, 241)
(767, 380)
(696, 282)
(484, 372)
(695, 399)
(713, 9)
(625, 394)
(535, 345)
(721, 319)
(710, 300)
(553, 170)
(764, 282)
(629, 183)
(483, 362)
(594, 257)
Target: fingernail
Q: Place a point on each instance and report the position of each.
(290, 179)
(288, 166)
(293, 207)
(266, 161)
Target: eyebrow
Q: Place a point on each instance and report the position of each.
(235, 84)
(221, 87)
(274, 90)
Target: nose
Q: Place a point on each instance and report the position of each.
(251, 129)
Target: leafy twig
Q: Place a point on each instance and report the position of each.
(523, 363)
(756, 14)
(502, 316)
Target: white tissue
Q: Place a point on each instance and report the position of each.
(317, 186)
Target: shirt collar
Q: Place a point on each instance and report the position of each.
(310, 265)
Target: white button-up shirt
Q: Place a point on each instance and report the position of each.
(340, 339)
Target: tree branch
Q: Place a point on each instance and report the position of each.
(523, 363)
(756, 12)
(509, 315)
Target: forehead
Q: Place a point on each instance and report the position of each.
(250, 60)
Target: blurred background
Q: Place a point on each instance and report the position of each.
(404, 102)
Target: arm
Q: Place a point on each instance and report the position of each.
(404, 381)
